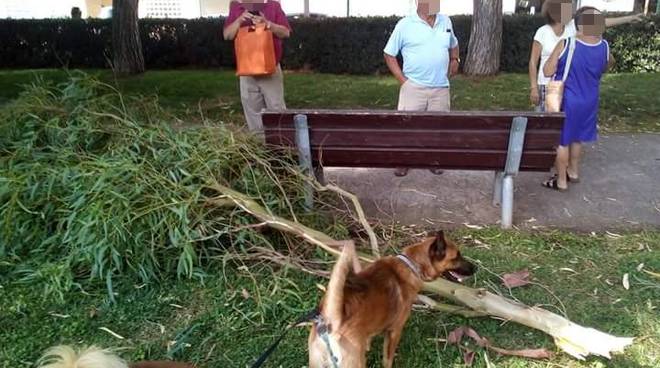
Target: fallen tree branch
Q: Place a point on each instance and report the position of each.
(575, 340)
(373, 240)
(449, 308)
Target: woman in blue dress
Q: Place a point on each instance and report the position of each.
(591, 59)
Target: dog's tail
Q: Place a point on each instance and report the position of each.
(92, 357)
(334, 302)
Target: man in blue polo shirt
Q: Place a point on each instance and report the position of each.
(430, 53)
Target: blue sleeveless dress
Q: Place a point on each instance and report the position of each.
(582, 90)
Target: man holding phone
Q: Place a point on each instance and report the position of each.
(430, 53)
(260, 92)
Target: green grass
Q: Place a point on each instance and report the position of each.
(218, 324)
(228, 315)
(629, 101)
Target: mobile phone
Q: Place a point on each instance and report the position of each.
(254, 8)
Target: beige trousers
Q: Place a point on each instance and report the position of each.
(413, 97)
(258, 93)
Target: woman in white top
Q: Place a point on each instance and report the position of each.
(559, 26)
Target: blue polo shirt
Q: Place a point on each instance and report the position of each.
(425, 50)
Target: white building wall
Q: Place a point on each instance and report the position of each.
(381, 7)
(191, 8)
(169, 9)
(39, 8)
(610, 5)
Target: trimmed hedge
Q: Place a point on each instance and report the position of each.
(332, 45)
(636, 46)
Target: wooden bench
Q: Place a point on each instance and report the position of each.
(503, 142)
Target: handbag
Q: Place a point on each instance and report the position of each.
(255, 51)
(554, 91)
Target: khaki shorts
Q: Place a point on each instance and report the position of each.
(258, 93)
(414, 97)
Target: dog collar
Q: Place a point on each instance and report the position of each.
(408, 262)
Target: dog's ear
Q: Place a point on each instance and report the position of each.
(438, 247)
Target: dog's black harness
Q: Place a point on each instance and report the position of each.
(322, 328)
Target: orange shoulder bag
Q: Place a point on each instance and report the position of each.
(255, 51)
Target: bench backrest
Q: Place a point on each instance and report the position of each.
(388, 139)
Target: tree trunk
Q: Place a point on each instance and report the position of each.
(486, 38)
(126, 44)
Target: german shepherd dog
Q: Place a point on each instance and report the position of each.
(360, 304)
(93, 357)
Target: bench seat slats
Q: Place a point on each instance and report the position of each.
(426, 158)
(386, 139)
(412, 120)
(495, 139)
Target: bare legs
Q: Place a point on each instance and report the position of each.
(574, 161)
(567, 166)
(561, 165)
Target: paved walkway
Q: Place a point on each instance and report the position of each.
(619, 189)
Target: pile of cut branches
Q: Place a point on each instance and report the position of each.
(97, 185)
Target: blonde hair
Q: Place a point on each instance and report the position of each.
(91, 357)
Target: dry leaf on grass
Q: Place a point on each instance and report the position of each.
(468, 358)
(516, 279)
(456, 336)
(626, 281)
(245, 294)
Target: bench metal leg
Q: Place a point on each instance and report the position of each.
(513, 160)
(507, 202)
(305, 156)
(497, 188)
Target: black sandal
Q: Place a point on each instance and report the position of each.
(569, 179)
(553, 184)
